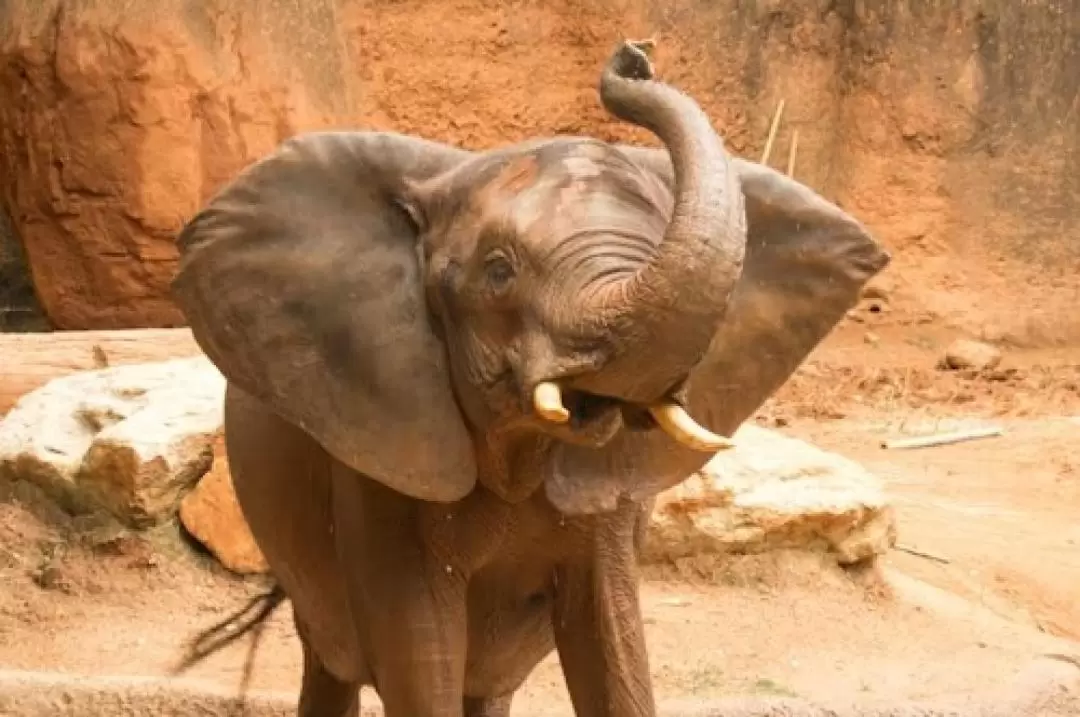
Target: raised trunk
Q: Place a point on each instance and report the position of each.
(677, 300)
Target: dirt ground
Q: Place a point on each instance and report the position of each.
(983, 582)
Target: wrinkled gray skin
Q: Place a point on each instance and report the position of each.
(382, 307)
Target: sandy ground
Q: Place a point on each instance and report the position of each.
(985, 581)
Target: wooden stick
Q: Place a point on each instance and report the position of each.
(942, 439)
(772, 132)
(922, 554)
(792, 152)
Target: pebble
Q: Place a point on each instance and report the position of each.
(969, 354)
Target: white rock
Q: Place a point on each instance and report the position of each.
(773, 492)
(131, 439)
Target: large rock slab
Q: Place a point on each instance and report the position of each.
(130, 439)
(30, 360)
(773, 492)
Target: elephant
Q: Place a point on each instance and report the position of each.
(456, 379)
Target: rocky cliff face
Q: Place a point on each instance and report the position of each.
(951, 128)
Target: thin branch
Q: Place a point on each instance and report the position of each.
(942, 439)
(792, 152)
(772, 132)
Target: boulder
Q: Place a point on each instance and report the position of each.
(131, 439)
(212, 515)
(773, 492)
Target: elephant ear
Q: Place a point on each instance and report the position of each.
(301, 281)
(805, 266)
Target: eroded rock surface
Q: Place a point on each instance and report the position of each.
(118, 119)
(130, 439)
(773, 492)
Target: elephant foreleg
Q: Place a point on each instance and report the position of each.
(597, 621)
(409, 606)
(321, 693)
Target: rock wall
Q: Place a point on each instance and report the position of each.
(961, 147)
(952, 128)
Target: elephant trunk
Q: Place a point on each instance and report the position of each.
(665, 315)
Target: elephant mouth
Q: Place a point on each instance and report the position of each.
(593, 419)
(589, 419)
(587, 408)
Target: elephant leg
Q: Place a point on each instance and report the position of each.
(597, 621)
(408, 602)
(488, 706)
(321, 693)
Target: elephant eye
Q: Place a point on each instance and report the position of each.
(499, 271)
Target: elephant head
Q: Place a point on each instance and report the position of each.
(548, 313)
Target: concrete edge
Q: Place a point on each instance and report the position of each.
(54, 694)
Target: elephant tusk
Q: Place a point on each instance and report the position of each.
(678, 424)
(547, 401)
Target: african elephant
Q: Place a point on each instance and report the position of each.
(455, 377)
